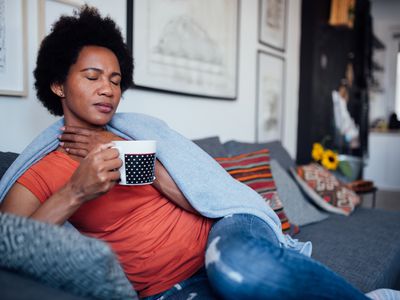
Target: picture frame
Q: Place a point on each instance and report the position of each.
(186, 47)
(50, 10)
(272, 23)
(13, 48)
(270, 97)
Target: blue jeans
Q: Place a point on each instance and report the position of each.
(244, 261)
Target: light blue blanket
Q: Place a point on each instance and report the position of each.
(206, 185)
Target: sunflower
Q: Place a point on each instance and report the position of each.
(330, 160)
(317, 151)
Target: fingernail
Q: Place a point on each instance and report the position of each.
(61, 144)
(62, 128)
(67, 149)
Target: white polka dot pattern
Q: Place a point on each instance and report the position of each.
(139, 168)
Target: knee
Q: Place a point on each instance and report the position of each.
(244, 270)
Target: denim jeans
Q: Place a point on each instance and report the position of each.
(244, 261)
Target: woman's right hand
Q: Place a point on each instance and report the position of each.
(96, 174)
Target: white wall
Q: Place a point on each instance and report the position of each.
(23, 118)
(386, 22)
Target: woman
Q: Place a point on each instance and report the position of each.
(161, 240)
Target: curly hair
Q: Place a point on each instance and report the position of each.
(60, 49)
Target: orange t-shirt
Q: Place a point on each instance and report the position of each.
(157, 243)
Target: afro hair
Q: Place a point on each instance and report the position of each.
(60, 49)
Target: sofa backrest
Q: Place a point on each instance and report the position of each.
(6, 159)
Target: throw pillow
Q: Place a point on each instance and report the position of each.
(253, 169)
(297, 207)
(325, 189)
(62, 259)
(276, 151)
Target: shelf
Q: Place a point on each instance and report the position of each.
(376, 67)
(377, 44)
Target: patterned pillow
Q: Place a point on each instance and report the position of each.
(62, 258)
(325, 189)
(254, 170)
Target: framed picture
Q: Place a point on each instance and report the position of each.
(272, 23)
(13, 47)
(270, 97)
(187, 47)
(50, 10)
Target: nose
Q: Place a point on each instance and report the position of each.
(106, 88)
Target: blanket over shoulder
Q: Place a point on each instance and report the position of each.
(206, 185)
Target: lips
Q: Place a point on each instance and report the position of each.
(104, 107)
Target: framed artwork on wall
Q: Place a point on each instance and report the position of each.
(272, 23)
(13, 47)
(270, 97)
(50, 10)
(188, 47)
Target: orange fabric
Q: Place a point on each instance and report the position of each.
(158, 243)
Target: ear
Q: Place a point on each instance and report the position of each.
(58, 89)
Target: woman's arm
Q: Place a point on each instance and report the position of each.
(78, 141)
(96, 175)
(56, 210)
(167, 186)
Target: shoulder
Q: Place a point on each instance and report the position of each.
(55, 167)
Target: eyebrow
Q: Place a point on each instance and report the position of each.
(100, 71)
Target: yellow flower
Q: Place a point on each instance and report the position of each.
(330, 160)
(317, 151)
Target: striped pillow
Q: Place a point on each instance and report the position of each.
(254, 170)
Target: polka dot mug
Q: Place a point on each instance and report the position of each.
(138, 159)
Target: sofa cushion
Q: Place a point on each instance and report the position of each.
(277, 151)
(253, 169)
(325, 189)
(212, 146)
(15, 286)
(297, 207)
(6, 159)
(62, 258)
(364, 248)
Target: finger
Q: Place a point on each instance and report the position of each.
(109, 154)
(102, 147)
(115, 176)
(77, 146)
(76, 130)
(68, 137)
(109, 170)
(77, 152)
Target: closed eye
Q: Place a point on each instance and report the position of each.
(91, 78)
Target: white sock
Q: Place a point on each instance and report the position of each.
(384, 294)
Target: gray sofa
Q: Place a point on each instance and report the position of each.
(364, 247)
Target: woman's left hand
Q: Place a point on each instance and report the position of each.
(80, 141)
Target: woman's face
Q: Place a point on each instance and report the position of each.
(91, 92)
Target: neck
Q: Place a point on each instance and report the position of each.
(70, 121)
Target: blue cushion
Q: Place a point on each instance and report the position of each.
(212, 145)
(6, 159)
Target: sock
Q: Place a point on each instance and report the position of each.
(384, 294)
